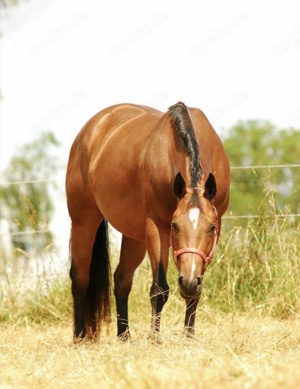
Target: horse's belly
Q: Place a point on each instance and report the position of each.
(126, 213)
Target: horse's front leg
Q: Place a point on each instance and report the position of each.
(132, 254)
(157, 243)
(190, 316)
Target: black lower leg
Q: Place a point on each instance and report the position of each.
(190, 315)
(122, 318)
(78, 299)
(79, 324)
(159, 294)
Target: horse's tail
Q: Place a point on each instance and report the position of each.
(97, 297)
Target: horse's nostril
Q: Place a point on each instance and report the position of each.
(184, 284)
(180, 281)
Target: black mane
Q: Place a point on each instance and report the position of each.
(185, 129)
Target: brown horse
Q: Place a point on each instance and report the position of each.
(161, 180)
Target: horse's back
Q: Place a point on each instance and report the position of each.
(115, 117)
(105, 125)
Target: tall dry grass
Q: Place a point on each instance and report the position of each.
(247, 326)
(229, 351)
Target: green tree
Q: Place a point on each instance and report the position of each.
(259, 143)
(28, 207)
(8, 3)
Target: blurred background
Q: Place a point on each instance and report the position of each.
(63, 61)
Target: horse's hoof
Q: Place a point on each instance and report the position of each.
(189, 335)
(78, 341)
(124, 337)
(154, 337)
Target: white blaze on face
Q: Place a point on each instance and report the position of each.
(194, 214)
(193, 268)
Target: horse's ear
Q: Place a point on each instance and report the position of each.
(179, 186)
(210, 187)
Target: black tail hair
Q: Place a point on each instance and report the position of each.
(185, 129)
(98, 294)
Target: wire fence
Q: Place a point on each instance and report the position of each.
(264, 166)
(249, 216)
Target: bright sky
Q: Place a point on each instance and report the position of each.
(63, 61)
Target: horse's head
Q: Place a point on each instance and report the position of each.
(194, 233)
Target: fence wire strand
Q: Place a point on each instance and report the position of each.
(252, 167)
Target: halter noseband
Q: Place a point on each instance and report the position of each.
(206, 259)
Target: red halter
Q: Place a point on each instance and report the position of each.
(206, 259)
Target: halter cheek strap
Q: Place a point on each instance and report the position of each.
(206, 259)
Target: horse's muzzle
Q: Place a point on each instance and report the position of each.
(190, 288)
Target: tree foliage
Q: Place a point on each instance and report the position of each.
(8, 3)
(259, 143)
(29, 206)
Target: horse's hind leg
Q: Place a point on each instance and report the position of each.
(81, 248)
(132, 254)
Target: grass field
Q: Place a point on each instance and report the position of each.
(247, 325)
(229, 351)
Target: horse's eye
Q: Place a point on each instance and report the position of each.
(212, 228)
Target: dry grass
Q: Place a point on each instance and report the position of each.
(247, 326)
(229, 351)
